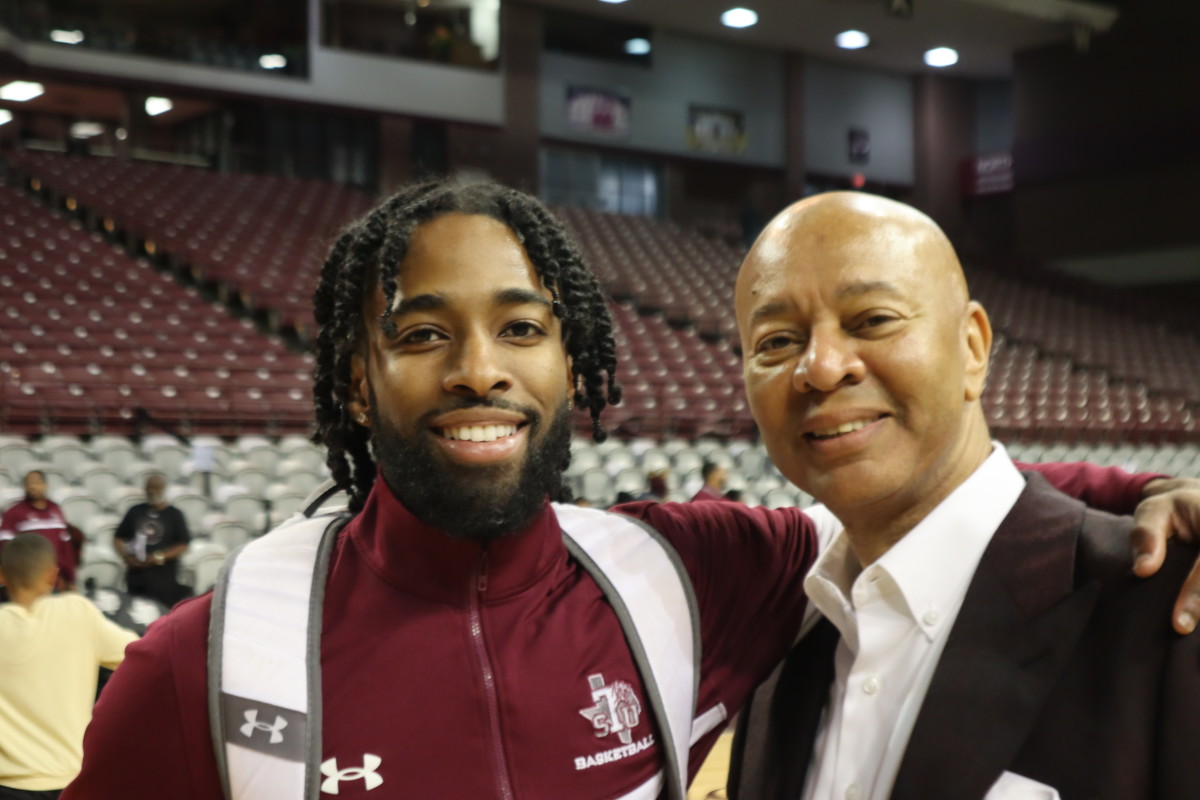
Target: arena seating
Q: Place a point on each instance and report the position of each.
(254, 482)
(264, 237)
(674, 382)
(96, 479)
(90, 335)
(1072, 361)
(661, 267)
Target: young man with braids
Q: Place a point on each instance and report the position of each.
(465, 652)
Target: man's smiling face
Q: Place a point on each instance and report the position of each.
(468, 400)
(862, 352)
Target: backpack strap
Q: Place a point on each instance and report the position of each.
(645, 582)
(264, 673)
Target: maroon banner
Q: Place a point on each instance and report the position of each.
(989, 173)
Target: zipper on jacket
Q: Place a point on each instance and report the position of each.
(478, 587)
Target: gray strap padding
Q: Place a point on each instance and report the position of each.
(645, 582)
(264, 687)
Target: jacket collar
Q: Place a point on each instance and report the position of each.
(1019, 624)
(421, 560)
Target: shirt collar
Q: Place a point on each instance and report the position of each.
(424, 561)
(932, 566)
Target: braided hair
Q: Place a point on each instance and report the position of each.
(369, 253)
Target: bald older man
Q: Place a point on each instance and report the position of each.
(980, 637)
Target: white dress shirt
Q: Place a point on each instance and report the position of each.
(895, 617)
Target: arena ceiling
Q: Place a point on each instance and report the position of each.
(985, 33)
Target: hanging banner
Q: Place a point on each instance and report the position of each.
(598, 111)
(990, 173)
(716, 130)
(858, 146)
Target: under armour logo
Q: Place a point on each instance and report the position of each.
(252, 725)
(616, 710)
(366, 772)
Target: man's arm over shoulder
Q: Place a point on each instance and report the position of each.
(149, 737)
(735, 554)
(1111, 489)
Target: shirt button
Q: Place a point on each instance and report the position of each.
(870, 686)
(853, 792)
(932, 617)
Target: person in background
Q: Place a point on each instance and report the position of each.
(713, 490)
(38, 514)
(151, 539)
(658, 486)
(51, 649)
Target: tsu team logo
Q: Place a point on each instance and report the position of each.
(616, 710)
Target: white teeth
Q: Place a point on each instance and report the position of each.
(479, 433)
(846, 427)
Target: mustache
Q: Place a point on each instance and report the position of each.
(462, 404)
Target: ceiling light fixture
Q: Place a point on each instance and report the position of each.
(158, 105)
(5, 116)
(637, 47)
(20, 91)
(612, 1)
(852, 40)
(86, 130)
(66, 37)
(739, 18)
(941, 57)
(272, 61)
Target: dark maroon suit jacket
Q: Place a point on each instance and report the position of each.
(1061, 667)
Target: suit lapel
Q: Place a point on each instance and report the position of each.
(1020, 621)
(776, 732)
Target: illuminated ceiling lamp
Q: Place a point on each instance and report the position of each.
(86, 130)
(739, 18)
(20, 91)
(158, 105)
(852, 40)
(5, 116)
(272, 61)
(637, 47)
(941, 57)
(66, 37)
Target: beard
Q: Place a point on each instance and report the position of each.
(473, 502)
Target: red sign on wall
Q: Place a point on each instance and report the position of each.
(989, 173)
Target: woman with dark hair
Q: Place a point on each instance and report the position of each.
(38, 514)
